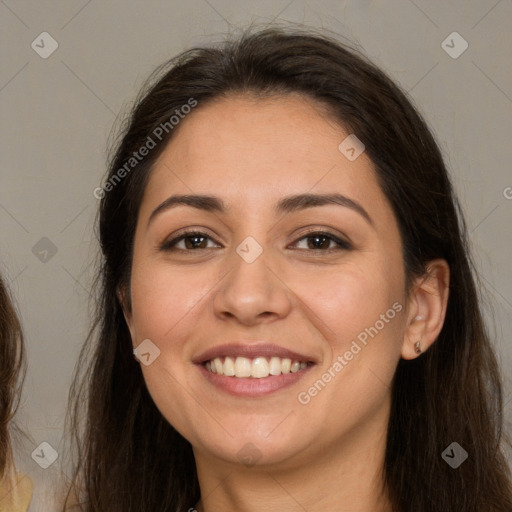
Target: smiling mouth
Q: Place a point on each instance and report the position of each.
(256, 367)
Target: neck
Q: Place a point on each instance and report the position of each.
(347, 478)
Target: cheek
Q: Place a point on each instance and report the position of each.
(166, 308)
(361, 318)
(351, 300)
(162, 298)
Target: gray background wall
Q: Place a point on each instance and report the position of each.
(57, 113)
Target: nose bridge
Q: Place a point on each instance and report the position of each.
(251, 289)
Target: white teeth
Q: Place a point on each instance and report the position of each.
(258, 367)
(285, 365)
(243, 367)
(229, 367)
(218, 366)
(275, 366)
(295, 367)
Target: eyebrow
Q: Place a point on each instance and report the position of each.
(286, 205)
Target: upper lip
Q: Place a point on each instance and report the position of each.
(250, 351)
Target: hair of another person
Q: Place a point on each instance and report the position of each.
(11, 373)
(129, 458)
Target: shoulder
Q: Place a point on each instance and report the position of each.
(16, 493)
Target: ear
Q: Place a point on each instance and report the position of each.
(123, 296)
(426, 311)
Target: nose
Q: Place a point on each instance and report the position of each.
(252, 293)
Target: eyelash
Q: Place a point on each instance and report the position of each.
(343, 245)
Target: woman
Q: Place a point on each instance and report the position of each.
(15, 488)
(287, 317)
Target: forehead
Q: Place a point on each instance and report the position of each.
(251, 150)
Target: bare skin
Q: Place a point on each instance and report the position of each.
(294, 448)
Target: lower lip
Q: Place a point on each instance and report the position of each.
(250, 387)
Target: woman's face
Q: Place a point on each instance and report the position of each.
(260, 275)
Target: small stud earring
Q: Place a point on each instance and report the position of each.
(418, 347)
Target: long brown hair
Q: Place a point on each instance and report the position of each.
(130, 459)
(11, 373)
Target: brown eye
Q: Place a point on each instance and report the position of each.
(324, 242)
(318, 242)
(189, 241)
(195, 242)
